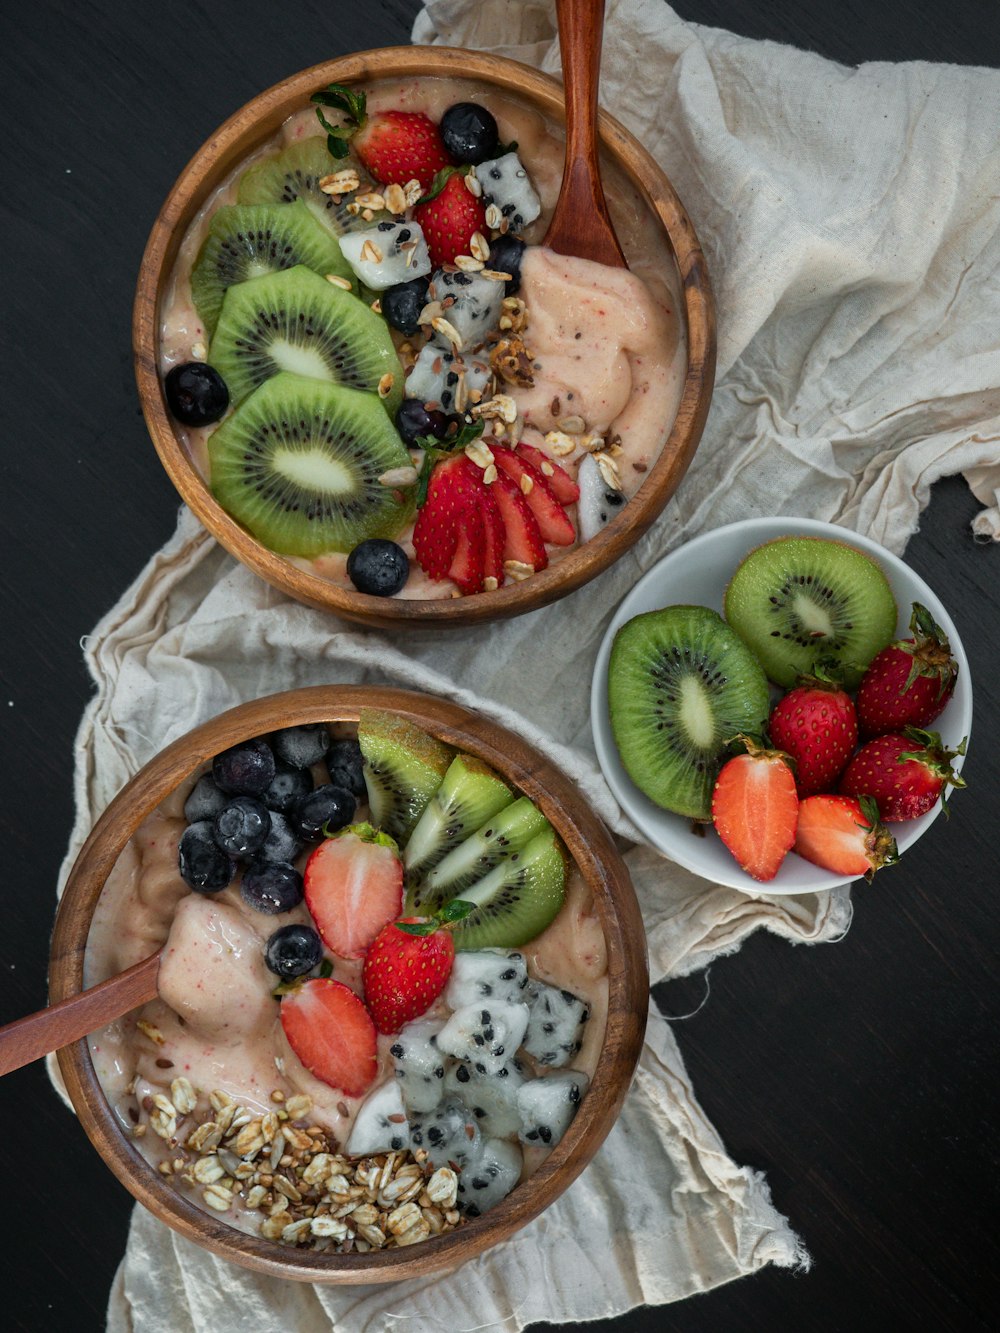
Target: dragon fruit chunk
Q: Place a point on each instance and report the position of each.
(396, 252)
(480, 975)
(448, 1134)
(599, 503)
(380, 1125)
(482, 1185)
(548, 1105)
(474, 310)
(555, 1025)
(436, 373)
(419, 1064)
(486, 1037)
(492, 1098)
(507, 184)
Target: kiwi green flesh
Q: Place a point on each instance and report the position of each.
(403, 768)
(248, 241)
(681, 683)
(470, 793)
(799, 600)
(517, 899)
(298, 464)
(295, 173)
(295, 320)
(500, 837)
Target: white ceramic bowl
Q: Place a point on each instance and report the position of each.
(697, 574)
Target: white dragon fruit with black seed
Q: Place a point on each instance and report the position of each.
(548, 1105)
(449, 1133)
(599, 503)
(506, 183)
(419, 1065)
(483, 1184)
(437, 373)
(381, 1124)
(492, 1098)
(478, 975)
(474, 311)
(486, 1036)
(555, 1024)
(387, 253)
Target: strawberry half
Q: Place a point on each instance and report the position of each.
(353, 886)
(843, 834)
(816, 724)
(909, 683)
(449, 220)
(905, 773)
(332, 1033)
(408, 966)
(755, 809)
(562, 485)
(523, 539)
(553, 521)
(394, 146)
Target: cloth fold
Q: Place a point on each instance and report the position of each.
(850, 221)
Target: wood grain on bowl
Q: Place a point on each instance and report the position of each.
(589, 845)
(246, 131)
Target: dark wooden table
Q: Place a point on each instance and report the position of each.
(862, 1078)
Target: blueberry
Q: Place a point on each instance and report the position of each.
(301, 746)
(196, 394)
(506, 253)
(378, 567)
(345, 764)
(204, 866)
(331, 806)
(403, 303)
(414, 420)
(246, 769)
(204, 801)
(241, 827)
(281, 844)
(469, 132)
(287, 785)
(292, 951)
(272, 889)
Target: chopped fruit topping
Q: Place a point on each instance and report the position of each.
(755, 808)
(353, 887)
(561, 484)
(449, 221)
(909, 683)
(494, 538)
(842, 834)
(905, 773)
(523, 542)
(394, 146)
(553, 521)
(408, 966)
(466, 570)
(451, 493)
(815, 723)
(331, 1032)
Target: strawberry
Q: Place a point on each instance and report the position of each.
(332, 1033)
(755, 808)
(562, 485)
(449, 220)
(904, 772)
(394, 146)
(408, 966)
(553, 522)
(843, 834)
(908, 683)
(466, 568)
(353, 887)
(523, 541)
(494, 536)
(816, 724)
(451, 492)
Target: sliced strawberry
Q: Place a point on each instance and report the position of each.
(353, 886)
(466, 569)
(523, 540)
(755, 808)
(454, 486)
(562, 485)
(842, 834)
(553, 521)
(405, 973)
(494, 536)
(450, 220)
(332, 1033)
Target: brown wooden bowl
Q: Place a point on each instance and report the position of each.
(589, 845)
(246, 131)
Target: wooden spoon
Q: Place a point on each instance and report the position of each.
(580, 223)
(29, 1038)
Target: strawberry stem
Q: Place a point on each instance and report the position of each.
(341, 98)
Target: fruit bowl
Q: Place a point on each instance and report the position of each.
(254, 126)
(591, 853)
(697, 574)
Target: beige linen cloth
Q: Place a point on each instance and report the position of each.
(850, 219)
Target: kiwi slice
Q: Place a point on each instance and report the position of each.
(295, 173)
(681, 683)
(248, 241)
(502, 836)
(295, 320)
(298, 464)
(799, 600)
(403, 768)
(470, 793)
(517, 899)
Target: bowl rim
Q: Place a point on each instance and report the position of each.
(222, 151)
(591, 848)
(757, 531)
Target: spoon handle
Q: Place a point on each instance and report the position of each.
(27, 1039)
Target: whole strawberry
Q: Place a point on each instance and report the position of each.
(905, 773)
(394, 146)
(408, 966)
(449, 220)
(816, 724)
(908, 683)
